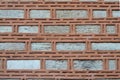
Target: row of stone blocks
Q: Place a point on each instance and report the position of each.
(100, 13)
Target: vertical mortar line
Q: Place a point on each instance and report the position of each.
(88, 45)
(4, 61)
(39, 28)
(103, 28)
(26, 13)
(72, 29)
(90, 13)
(105, 64)
(108, 13)
(54, 45)
(118, 28)
(68, 64)
(14, 28)
(43, 67)
(72, 64)
(42, 29)
(28, 46)
(53, 13)
(118, 64)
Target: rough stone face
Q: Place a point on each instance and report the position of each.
(88, 64)
(12, 46)
(105, 46)
(111, 0)
(11, 13)
(70, 46)
(5, 29)
(56, 29)
(112, 64)
(40, 14)
(56, 64)
(116, 13)
(41, 46)
(23, 64)
(28, 29)
(111, 29)
(88, 29)
(99, 14)
(71, 14)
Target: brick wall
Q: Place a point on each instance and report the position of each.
(59, 40)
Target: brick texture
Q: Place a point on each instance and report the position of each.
(59, 40)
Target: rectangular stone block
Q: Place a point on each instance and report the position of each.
(12, 46)
(56, 64)
(88, 29)
(23, 64)
(88, 65)
(11, 13)
(71, 14)
(56, 29)
(5, 29)
(111, 29)
(99, 14)
(105, 46)
(41, 46)
(116, 13)
(112, 64)
(70, 46)
(28, 29)
(111, 0)
(40, 14)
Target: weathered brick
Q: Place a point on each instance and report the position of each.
(112, 64)
(71, 13)
(116, 13)
(28, 29)
(11, 13)
(40, 14)
(12, 46)
(99, 14)
(88, 0)
(56, 29)
(88, 29)
(70, 46)
(23, 64)
(88, 64)
(5, 29)
(56, 64)
(9, 79)
(41, 46)
(111, 29)
(105, 46)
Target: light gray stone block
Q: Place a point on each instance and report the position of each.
(111, 29)
(116, 14)
(40, 14)
(11, 13)
(23, 64)
(88, 29)
(99, 14)
(5, 29)
(105, 46)
(28, 29)
(88, 64)
(56, 64)
(111, 0)
(41, 46)
(56, 29)
(70, 46)
(71, 14)
(112, 64)
(12, 46)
